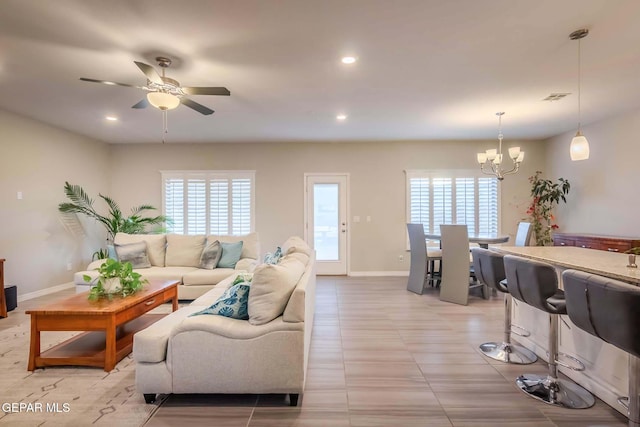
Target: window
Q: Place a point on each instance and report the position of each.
(209, 202)
(459, 197)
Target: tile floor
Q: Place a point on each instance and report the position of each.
(382, 356)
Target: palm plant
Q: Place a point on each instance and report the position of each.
(115, 221)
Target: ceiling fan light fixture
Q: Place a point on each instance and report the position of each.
(163, 101)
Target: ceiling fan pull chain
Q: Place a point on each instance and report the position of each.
(165, 130)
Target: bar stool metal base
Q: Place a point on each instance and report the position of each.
(508, 353)
(557, 392)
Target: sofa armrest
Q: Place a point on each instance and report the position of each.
(150, 344)
(233, 328)
(94, 265)
(246, 264)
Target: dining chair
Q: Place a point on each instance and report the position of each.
(523, 234)
(422, 260)
(456, 269)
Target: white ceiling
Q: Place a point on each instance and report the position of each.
(427, 69)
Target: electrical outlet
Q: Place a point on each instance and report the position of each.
(69, 266)
(400, 258)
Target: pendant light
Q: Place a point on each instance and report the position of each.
(579, 149)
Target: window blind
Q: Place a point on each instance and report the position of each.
(458, 198)
(209, 202)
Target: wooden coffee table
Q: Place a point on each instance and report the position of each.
(111, 325)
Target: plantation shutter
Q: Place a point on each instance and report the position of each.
(219, 206)
(433, 198)
(487, 205)
(174, 204)
(196, 206)
(209, 202)
(442, 203)
(241, 198)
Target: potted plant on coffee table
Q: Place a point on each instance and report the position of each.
(115, 278)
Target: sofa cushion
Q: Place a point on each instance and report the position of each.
(183, 250)
(210, 255)
(295, 244)
(232, 303)
(271, 288)
(231, 253)
(156, 244)
(164, 273)
(250, 246)
(135, 253)
(206, 277)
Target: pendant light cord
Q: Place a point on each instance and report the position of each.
(579, 88)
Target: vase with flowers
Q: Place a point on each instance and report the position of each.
(545, 195)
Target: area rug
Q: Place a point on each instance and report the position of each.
(65, 396)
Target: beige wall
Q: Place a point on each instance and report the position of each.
(37, 159)
(604, 189)
(377, 183)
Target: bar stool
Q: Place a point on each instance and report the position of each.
(489, 269)
(536, 284)
(610, 310)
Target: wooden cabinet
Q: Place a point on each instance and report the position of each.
(593, 241)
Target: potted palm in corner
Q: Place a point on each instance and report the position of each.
(115, 221)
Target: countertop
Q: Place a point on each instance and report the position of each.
(608, 264)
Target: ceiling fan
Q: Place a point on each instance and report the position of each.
(165, 93)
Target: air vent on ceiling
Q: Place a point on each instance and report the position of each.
(556, 96)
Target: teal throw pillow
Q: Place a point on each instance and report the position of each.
(232, 303)
(273, 258)
(230, 254)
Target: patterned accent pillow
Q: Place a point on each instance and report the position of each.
(243, 277)
(273, 258)
(210, 255)
(230, 254)
(135, 253)
(232, 303)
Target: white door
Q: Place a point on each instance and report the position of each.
(326, 221)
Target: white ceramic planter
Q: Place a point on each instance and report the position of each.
(112, 285)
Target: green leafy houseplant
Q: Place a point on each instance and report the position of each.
(130, 282)
(545, 195)
(115, 221)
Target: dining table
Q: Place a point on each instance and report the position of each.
(483, 240)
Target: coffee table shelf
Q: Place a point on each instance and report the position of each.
(109, 325)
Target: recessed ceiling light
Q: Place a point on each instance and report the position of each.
(111, 118)
(341, 117)
(349, 59)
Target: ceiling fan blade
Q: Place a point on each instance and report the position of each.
(194, 105)
(107, 82)
(206, 90)
(150, 72)
(142, 104)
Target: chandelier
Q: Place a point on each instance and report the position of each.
(491, 160)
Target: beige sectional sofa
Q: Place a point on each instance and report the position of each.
(215, 354)
(178, 257)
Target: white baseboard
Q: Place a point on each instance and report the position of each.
(47, 291)
(379, 273)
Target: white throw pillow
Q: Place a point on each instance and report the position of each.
(271, 287)
(156, 244)
(184, 251)
(295, 244)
